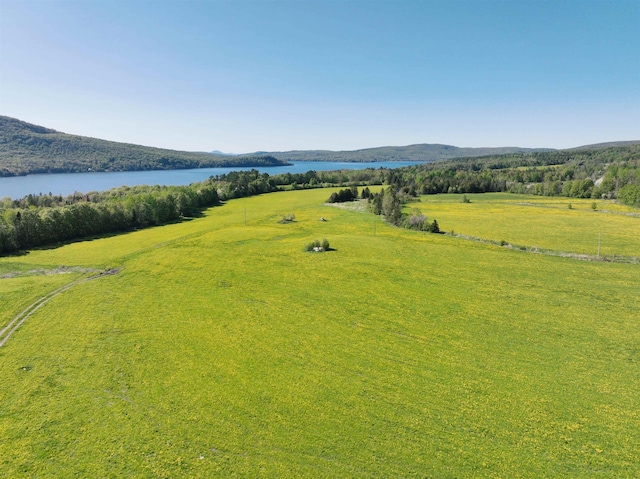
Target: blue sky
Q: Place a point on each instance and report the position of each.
(273, 75)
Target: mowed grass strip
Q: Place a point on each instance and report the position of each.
(17, 293)
(225, 350)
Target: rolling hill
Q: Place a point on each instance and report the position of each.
(420, 152)
(609, 144)
(27, 149)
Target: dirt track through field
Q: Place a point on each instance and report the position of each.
(21, 317)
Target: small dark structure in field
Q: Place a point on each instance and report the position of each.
(288, 218)
(317, 246)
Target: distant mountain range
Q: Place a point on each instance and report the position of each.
(26, 149)
(424, 152)
(610, 144)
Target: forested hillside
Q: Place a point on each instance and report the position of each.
(612, 172)
(28, 149)
(419, 152)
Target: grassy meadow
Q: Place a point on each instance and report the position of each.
(543, 222)
(221, 349)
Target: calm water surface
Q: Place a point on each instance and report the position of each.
(67, 183)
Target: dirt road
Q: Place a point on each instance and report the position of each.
(21, 317)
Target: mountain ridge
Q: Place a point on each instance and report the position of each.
(26, 148)
(608, 144)
(425, 152)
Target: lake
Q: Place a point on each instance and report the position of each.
(67, 183)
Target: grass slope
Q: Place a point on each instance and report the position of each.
(224, 350)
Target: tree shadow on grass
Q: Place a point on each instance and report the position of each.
(193, 215)
(14, 254)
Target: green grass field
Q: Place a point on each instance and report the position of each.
(543, 222)
(223, 350)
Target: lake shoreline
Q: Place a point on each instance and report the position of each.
(16, 187)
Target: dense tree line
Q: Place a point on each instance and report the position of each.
(593, 173)
(113, 211)
(344, 196)
(589, 173)
(246, 183)
(630, 194)
(240, 184)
